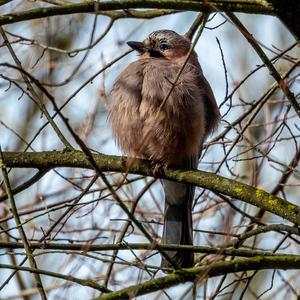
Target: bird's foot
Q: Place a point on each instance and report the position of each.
(158, 169)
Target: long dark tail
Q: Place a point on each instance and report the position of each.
(178, 226)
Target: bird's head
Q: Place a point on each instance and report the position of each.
(165, 44)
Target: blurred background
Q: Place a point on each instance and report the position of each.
(255, 143)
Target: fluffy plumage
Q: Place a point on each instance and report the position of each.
(175, 136)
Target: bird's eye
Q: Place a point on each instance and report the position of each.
(164, 46)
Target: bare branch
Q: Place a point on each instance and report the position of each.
(232, 188)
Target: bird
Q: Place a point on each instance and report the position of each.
(169, 134)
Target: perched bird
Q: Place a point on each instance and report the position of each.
(172, 136)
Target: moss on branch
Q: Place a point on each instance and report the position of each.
(288, 12)
(107, 8)
(203, 272)
(107, 163)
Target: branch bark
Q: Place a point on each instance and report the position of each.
(203, 272)
(109, 163)
(218, 250)
(288, 12)
(84, 282)
(106, 7)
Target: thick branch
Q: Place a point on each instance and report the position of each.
(288, 12)
(103, 7)
(232, 188)
(201, 273)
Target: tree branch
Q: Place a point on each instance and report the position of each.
(281, 83)
(105, 7)
(219, 250)
(84, 282)
(108, 163)
(201, 273)
(28, 251)
(288, 12)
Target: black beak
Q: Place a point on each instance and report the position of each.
(137, 46)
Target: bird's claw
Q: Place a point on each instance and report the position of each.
(158, 169)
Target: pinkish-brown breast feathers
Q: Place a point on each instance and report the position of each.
(178, 131)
